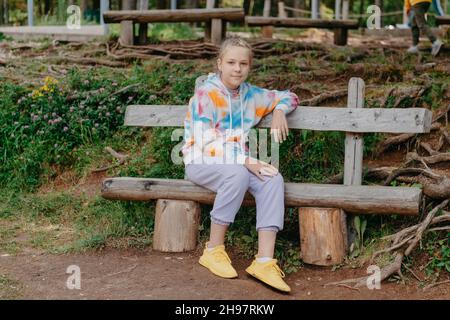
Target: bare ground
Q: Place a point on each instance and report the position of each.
(146, 274)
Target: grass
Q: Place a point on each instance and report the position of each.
(61, 222)
(9, 289)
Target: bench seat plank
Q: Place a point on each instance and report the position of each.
(352, 199)
(409, 120)
(300, 23)
(441, 20)
(179, 15)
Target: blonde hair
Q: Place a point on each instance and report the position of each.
(235, 42)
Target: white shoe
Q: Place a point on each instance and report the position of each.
(413, 50)
(435, 47)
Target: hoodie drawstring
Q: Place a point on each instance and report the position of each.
(242, 118)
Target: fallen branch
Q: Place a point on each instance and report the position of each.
(428, 148)
(386, 272)
(325, 96)
(401, 138)
(121, 157)
(424, 225)
(437, 158)
(88, 61)
(445, 134)
(435, 284)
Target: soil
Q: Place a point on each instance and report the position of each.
(147, 274)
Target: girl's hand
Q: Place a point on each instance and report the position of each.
(279, 127)
(260, 168)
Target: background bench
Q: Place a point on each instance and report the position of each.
(322, 207)
(441, 20)
(340, 27)
(215, 19)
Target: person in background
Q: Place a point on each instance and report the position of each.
(419, 26)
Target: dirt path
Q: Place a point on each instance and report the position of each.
(132, 274)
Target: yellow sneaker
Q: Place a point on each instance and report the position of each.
(218, 262)
(270, 273)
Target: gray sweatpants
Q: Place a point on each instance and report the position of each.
(230, 182)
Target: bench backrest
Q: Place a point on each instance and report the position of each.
(353, 119)
(255, 21)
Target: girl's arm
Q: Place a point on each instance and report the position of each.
(283, 102)
(270, 100)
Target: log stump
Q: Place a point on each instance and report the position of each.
(176, 225)
(323, 235)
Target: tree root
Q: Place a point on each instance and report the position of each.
(409, 237)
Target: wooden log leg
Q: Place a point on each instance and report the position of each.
(207, 31)
(267, 31)
(143, 30)
(216, 31)
(340, 36)
(126, 32)
(323, 235)
(176, 225)
(224, 30)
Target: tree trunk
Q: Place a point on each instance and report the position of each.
(162, 4)
(247, 7)
(176, 225)
(361, 11)
(192, 4)
(322, 235)
(1, 12)
(83, 6)
(266, 10)
(210, 4)
(379, 3)
(6, 12)
(298, 4)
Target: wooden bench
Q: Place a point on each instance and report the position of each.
(322, 207)
(340, 27)
(441, 20)
(215, 20)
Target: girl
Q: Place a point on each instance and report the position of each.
(220, 116)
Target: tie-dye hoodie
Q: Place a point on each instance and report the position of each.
(218, 120)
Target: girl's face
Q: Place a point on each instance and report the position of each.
(234, 66)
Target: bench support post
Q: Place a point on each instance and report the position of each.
(322, 235)
(340, 36)
(143, 30)
(218, 29)
(354, 142)
(127, 27)
(267, 32)
(143, 27)
(176, 225)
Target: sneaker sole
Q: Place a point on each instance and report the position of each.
(260, 279)
(437, 51)
(214, 272)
